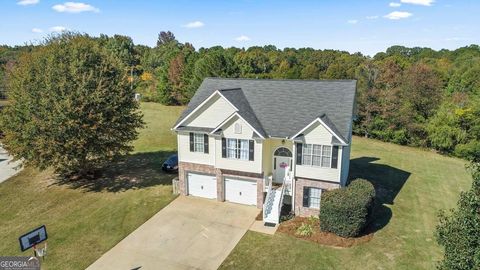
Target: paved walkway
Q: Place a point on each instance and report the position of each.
(189, 233)
(7, 168)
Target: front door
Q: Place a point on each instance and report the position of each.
(281, 165)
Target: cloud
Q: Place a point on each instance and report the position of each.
(195, 24)
(372, 17)
(242, 38)
(74, 7)
(397, 15)
(58, 29)
(418, 2)
(394, 4)
(352, 21)
(37, 30)
(27, 2)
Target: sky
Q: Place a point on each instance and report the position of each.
(352, 25)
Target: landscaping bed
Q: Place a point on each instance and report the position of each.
(291, 226)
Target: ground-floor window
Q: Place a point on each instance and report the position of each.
(311, 197)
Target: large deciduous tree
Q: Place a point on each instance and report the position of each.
(71, 107)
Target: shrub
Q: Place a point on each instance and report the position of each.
(305, 230)
(457, 230)
(346, 211)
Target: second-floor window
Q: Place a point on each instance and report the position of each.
(237, 149)
(198, 142)
(317, 155)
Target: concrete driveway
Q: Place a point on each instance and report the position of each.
(8, 168)
(189, 233)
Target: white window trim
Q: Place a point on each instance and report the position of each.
(310, 197)
(321, 156)
(198, 139)
(238, 151)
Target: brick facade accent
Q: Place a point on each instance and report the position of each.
(303, 182)
(185, 167)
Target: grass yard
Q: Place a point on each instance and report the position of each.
(412, 185)
(84, 220)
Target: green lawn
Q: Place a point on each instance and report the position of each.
(412, 184)
(84, 220)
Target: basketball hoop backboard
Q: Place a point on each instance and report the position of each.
(33, 237)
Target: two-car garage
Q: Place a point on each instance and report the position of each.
(237, 190)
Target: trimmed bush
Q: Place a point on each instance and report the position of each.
(346, 211)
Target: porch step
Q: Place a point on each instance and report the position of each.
(272, 213)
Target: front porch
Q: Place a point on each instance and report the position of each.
(276, 195)
(278, 164)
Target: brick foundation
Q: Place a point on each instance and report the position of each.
(303, 182)
(184, 167)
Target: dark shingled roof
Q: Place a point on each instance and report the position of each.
(238, 99)
(282, 108)
(195, 129)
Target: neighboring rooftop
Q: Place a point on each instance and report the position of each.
(281, 108)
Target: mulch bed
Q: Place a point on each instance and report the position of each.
(324, 238)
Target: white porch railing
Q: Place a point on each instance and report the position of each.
(273, 204)
(267, 205)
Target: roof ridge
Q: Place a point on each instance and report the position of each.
(230, 89)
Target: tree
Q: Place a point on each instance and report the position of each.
(165, 38)
(444, 130)
(71, 107)
(422, 89)
(458, 231)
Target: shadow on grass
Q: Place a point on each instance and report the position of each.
(135, 171)
(387, 180)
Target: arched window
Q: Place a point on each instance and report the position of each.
(283, 152)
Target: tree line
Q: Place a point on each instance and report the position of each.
(410, 96)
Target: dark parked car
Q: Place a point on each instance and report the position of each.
(171, 164)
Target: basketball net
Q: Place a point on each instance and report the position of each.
(40, 252)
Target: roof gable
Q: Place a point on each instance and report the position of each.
(324, 121)
(209, 113)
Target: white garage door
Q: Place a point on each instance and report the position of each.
(202, 185)
(241, 191)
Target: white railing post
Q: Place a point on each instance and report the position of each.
(269, 191)
(282, 193)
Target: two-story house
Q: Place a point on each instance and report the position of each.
(266, 142)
